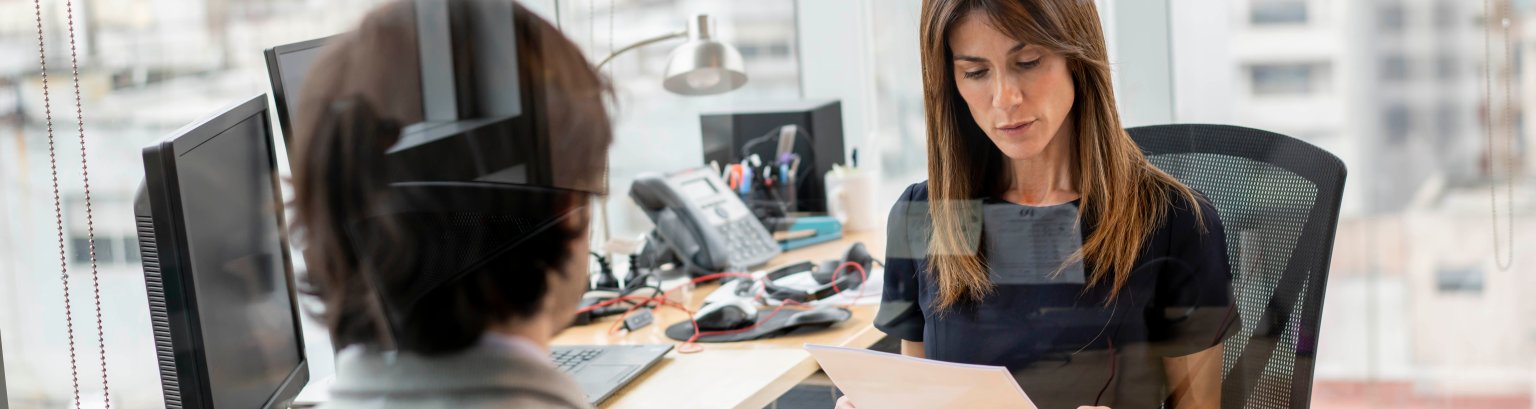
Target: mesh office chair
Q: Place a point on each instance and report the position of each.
(1279, 202)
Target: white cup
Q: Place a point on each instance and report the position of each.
(850, 198)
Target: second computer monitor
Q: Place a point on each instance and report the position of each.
(287, 67)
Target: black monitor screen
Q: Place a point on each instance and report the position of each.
(288, 65)
(239, 272)
(295, 67)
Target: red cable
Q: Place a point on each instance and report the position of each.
(660, 300)
(863, 278)
(697, 333)
(630, 298)
(691, 344)
(606, 303)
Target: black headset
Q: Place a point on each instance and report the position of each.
(826, 286)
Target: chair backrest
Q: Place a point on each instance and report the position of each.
(1278, 199)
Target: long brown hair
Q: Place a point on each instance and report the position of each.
(362, 90)
(1123, 196)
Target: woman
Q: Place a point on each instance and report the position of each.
(443, 296)
(1056, 249)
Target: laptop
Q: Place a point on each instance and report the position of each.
(602, 369)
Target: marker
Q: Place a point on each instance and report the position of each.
(746, 178)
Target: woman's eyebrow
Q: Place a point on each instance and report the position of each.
(975, 59)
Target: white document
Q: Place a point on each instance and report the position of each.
(878, 380)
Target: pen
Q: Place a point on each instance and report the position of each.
(745, 186)
(735, 176)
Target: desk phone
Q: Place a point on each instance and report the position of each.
(702, 221)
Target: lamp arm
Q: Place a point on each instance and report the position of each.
(642, 43)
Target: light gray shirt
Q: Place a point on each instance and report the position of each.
(497, 372)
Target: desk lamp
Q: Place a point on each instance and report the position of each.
(701, 66)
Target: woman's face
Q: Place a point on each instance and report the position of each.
(1019, 94)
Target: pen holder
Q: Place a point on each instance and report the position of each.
(770, 202)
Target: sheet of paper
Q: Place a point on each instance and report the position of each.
(878, 380)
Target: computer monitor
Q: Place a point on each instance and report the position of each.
(287, 66)
(216, 265)
(477, 102)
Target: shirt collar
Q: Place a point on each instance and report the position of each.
(516, 344)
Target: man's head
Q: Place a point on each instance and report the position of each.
(429, 269)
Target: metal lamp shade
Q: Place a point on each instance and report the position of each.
(704, 67)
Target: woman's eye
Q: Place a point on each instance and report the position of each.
(975, 74)
(1029, 64)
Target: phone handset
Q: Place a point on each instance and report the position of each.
(703, 222)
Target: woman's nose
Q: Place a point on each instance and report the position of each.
(1006, 93)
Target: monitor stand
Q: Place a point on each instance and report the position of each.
(317, 392)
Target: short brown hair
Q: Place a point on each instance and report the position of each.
(361, 92)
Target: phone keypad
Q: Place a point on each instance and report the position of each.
(749, 245)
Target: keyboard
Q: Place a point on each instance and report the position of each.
(603, 369)
(569, 359)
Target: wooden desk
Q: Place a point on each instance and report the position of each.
(737, 374)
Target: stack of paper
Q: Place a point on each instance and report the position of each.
(878, 380)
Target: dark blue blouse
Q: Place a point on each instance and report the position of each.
(1066, 342)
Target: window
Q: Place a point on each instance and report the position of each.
(1447, 123)
(780, 50)
(111, 222)
(1445, 15)
(1335, 75)
(1405, 105)
(1447, 68)
(131, 250)
(1522, 140)
(1394, 68)
(1391, 18)
(1517, 62)
(1287, 79)
(111, 252)
(1276, 12)
(148, 68)
(1396, 122)
(651, 123)
(80, 252)
(1459, 280)
(106, 251)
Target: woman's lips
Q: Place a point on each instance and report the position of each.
(1016, 128)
